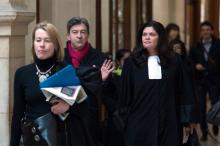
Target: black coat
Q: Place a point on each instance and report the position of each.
(29, 101)
(212, 66)
(110, 97)
(154, 109)
(87, 121)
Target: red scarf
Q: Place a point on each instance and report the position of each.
(77, 55)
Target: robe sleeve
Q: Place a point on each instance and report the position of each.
(188, 101)
(125, 97)
(90, 78)
(110, 94)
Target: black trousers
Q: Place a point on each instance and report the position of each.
(203, 88)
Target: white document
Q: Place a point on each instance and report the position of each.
(69, 94)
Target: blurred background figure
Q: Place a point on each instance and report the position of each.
(178, 47)
(205, 55)
(173, 31)
(121, 55)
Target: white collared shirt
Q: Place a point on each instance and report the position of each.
(154, 68)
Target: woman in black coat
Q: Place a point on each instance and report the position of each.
(29, 102)
(152, 79)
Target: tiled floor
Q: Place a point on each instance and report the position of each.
(210, 141)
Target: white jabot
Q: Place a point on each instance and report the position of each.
(154, 68)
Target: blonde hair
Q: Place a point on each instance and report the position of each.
(54, 36)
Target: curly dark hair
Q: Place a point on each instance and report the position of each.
(180, 44)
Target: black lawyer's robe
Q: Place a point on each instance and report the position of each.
(153, 107)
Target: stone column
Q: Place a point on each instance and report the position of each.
(209, 11)
(14, 21)
(60, 12)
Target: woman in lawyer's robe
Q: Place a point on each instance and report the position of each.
(153, 79)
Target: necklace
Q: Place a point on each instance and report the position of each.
(43, 75)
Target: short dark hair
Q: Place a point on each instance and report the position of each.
(207, 23)
(75, 21)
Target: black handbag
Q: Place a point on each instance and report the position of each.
(193, 139)
(213, 115)
(40, 132)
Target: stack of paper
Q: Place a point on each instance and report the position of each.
(65, 85)
(70, 94)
